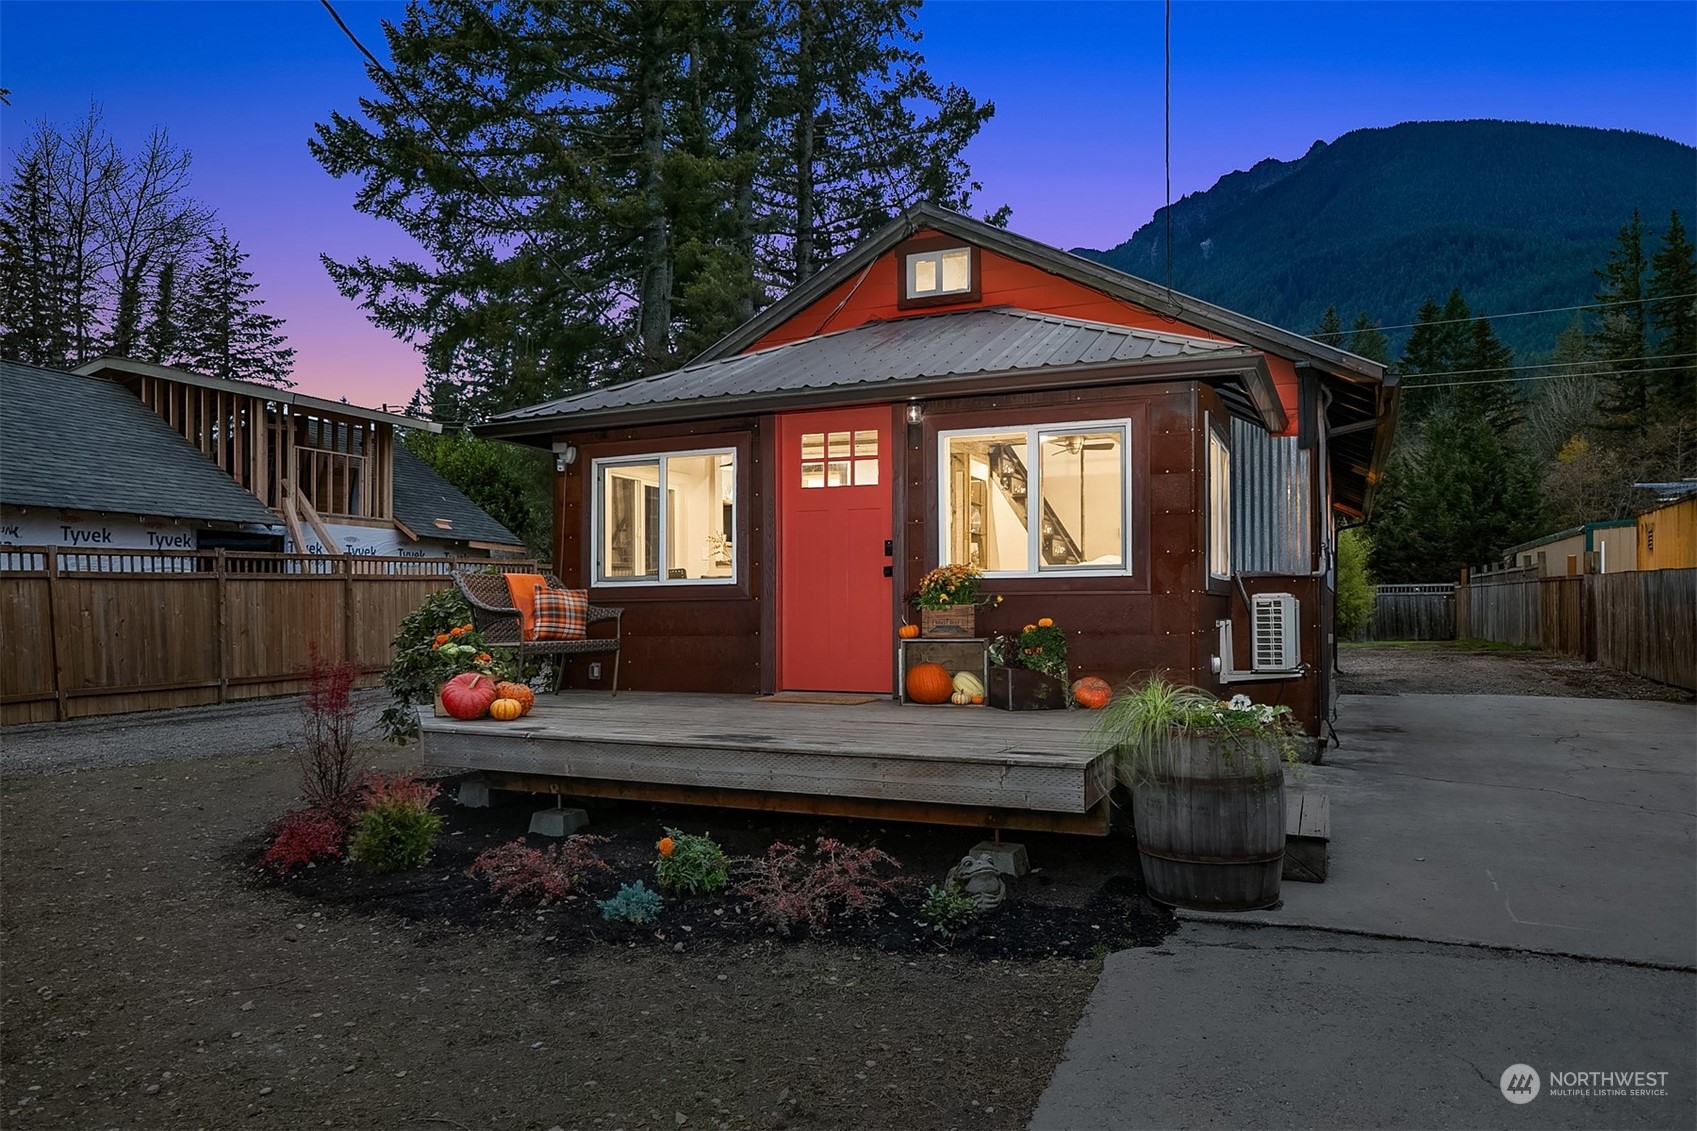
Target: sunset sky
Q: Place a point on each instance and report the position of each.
(1075, 147)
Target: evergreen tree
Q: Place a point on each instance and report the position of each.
(1437, 346)
(1486, 377)
(225, 331)
(1672, 310)
(1330, 330)
(35, 287)
(1621, 341)
(1366, 340)
(511, 483)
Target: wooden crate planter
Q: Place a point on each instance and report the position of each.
(1021, 689)
(959, 621)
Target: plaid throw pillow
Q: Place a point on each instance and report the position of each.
(560, 614)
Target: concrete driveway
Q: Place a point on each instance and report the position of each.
(1513, 882)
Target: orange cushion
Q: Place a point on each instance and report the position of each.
(522, 588)
(561, 614)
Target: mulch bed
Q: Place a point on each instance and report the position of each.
(1082, 899)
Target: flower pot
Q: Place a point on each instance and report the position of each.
(1022, 689)
(950, 620)
(1210, 819)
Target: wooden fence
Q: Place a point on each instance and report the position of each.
(1412, 612)
(92, 634)
(1641, 621)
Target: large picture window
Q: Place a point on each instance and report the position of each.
(1039, 499)
(665, 518)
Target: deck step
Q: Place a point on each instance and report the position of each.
(1308, 830)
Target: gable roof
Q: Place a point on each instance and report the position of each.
(73, 442)
(422, 497)
(1117, 284)
(911, 357)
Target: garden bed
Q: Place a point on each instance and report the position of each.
(1083, 898)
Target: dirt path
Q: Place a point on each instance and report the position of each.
(144, 983)
(1448, 668)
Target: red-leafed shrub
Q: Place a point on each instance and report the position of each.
(305, 836)
(327, 721)
(373, 790)
(541, 875)
(787, 890)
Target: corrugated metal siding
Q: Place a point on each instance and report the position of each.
(1272, 502)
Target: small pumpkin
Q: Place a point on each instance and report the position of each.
(1045, 622)
(908, 631)
(519, 693)
(1092, 692)
(960, 698)
(505, 710)
(929, 683)
(468, 695)
(977, 699)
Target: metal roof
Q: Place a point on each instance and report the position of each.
(914, 356)
(84, 443)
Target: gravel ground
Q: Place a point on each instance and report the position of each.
(1450, 668)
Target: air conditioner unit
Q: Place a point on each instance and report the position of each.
(1275, 625)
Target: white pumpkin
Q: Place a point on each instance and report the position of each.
(959, 698)
(969, 683)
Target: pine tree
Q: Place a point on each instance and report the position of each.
(1486, 374)
(1330, 329)
(35, 287)
(1366, 340)
(1435, 349)
(1620, 340)
(225, 331)
(1672, 311)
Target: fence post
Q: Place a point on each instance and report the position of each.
(347, 607)
(1463, 609)
(223, 625)
(54, 621)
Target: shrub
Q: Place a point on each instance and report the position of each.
(397, 829)
(327, 718)
(695, 865)
(302, 837)
(1356, 591)
(788, 891)
(947, 910)
(420, 663)
(546, 875)
(634, 904)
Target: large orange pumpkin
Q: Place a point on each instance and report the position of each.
(468, 695)
(929, 683)
(1092, 692)
(525, 696)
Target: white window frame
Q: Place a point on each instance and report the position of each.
(598, 519)
(1219, 488)
(1034, 490)
(910, 267)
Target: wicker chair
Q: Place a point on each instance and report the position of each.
(493, 615)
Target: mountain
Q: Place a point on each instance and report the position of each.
(1516, 214)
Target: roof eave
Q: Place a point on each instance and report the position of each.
(1248, 365)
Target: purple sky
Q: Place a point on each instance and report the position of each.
(1075, 147)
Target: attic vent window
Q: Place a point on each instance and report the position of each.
(931, 274)
(443, 523)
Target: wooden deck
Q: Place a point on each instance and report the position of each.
(878, 759)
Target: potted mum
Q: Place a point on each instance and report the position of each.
(948, 601)
(1029, 668)
(1207, 791)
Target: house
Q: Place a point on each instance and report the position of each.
(1162, 477)
(1595, 547)
(1667, 532)
(132, 458)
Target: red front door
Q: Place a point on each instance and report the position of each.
(834, 596)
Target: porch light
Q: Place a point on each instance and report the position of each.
(914, 413)
(564, 456)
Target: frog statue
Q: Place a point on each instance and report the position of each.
(978, 878)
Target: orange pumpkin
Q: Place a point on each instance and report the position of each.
(1092, 692)
(1045, 622)
(519, 693)
(908, 631)
(505, 710)
(929, 683)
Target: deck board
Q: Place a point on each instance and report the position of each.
(1039, 761)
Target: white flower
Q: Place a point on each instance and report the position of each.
(1239, 702)
(1265, 714)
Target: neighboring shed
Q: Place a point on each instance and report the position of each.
(1595, 547)
(1667, 534)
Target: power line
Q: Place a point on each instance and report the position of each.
(1547, 365)
(1548, 377)
(1341, 334)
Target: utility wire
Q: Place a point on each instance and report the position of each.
(1341, 334)
(1551, 365)
(1169, 149)
(1546, 377)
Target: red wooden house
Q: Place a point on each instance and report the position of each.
(1162, 477)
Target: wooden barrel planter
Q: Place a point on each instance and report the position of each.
(1210, 819)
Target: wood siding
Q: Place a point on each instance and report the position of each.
(192, 629)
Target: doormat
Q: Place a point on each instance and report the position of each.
(833, 698)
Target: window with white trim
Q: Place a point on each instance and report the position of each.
(947, 271)
(1050, 498)
(665, 518)
(1219, 506)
